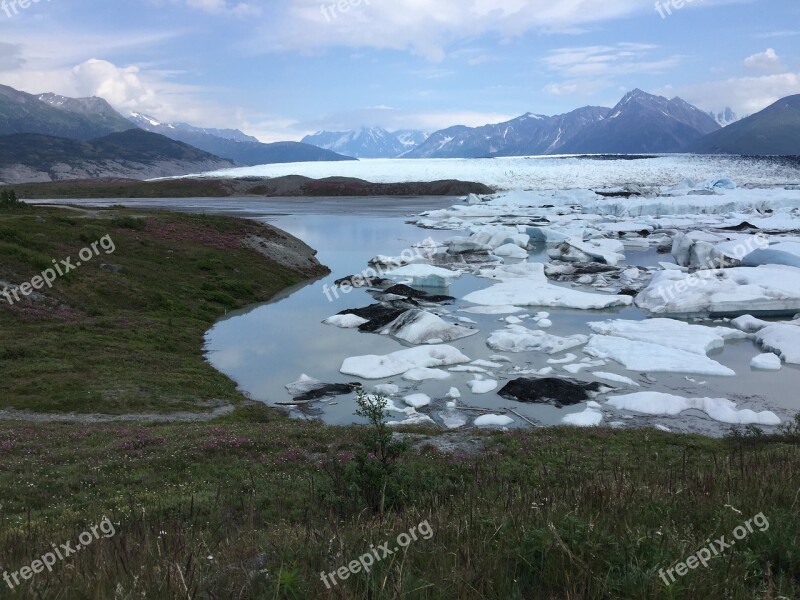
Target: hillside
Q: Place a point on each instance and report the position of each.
(133, 154)
(773, 131)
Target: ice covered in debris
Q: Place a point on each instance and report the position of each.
(422, 327)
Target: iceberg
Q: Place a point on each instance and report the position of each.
(516, 338)
(421, 327)
(482, 386)
(767, 362)
(698, 339)
(719, 409)
(423, 275)
(493, 421)
(648, 357)
(397, 363)
(728, 292)
(526, 285)
(783, 339)
(591, 417)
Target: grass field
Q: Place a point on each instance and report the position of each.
(253, 505)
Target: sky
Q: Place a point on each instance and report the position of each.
(284, 68)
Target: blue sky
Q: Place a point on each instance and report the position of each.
(279, 70)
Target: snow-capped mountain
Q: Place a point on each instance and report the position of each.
(525, 135)
(368, 142)
(149, 123)
(644, 123)
(724, 117)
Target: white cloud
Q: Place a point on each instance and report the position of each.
(764, 62)
(427, 28)
(745, 95)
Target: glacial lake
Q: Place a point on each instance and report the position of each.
(266, 346)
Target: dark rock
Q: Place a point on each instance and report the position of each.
(559, 392)
(361, 281)
(327, 390)
(112, 268)
(409, 292)
(380, 315)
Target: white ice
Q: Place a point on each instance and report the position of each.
(719, 409)
(516, 338)
(767, 362)
(374, 366)
(493, 421)
(653, 358)
(592, 416)
(345, 321)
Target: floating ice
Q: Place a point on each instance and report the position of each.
(719, 409)
(753, 290)
(421, 327)
(413, 419)
(783, 339)
(380, 367)
(653, 358)
(345, 321)
(425, 374)
(698, 339)
(562, 361)
(493, 421)
(422, 275)
(511, 251)
(615, 378)
(454, 394)
(591, 417)
(417, 400)
(482, 386)
(610, 252)
(528, 286)
(516, 338)
(767, 362)
(386, 389)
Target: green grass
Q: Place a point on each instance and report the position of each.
(128, 339)
(254, 506)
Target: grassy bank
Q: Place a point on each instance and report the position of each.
(256, 506)
(124, 331)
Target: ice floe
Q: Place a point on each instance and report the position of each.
(421, 327)
(423, 275)
(767, 362)
(753, 290)
(592, 416)
(493, 421)
(719, 409)
(516, 338)
(653, 358)
(783, 339)
(374, 366)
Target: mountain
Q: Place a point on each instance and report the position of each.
(643, 123)
(526, 135)
(411, 138)
(235, 145)
(773, 131)
(80, 119)
(725, 117)
(132, 154)
(368, 142)
(151, 124)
